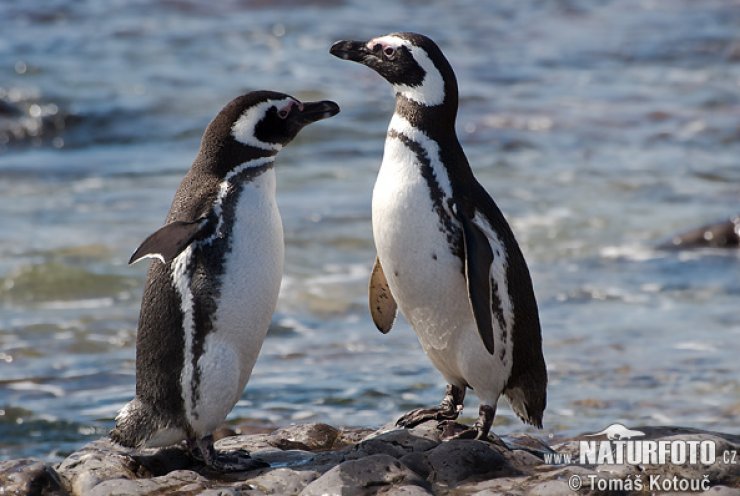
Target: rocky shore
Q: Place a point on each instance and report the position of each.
(317, 459)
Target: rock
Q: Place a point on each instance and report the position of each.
(320, 459)
(723, 491)
(179, 480)
(723, 234)
(96, 463)
(29, 476)
(363, 477)
(551, 488)
(460, 459)
(407, 491)
(283, 481)
(718, 473)
(396, 443)
(310, 437)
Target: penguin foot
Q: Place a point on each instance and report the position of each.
(449, 409)
(481, 430)
(455, 430)
(235, 461)
(203, 451)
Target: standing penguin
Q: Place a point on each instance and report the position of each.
(212, 290)
(445, 253)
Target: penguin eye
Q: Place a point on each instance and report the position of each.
(389, 52)
(283, 113)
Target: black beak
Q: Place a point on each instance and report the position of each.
(355, 51)
(314, 111)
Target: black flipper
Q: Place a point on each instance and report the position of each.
(168, 242)
(478, 260)
(383, 306)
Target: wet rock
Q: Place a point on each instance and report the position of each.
(388, 461)
(723, 234)
(29, 476)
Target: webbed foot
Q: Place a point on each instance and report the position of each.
(481, 430)
(223, 461)
(449, 409)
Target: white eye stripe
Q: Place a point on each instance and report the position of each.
(287, 109)
(388, 41)
(431, 91)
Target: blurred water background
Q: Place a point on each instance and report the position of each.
(600, 127)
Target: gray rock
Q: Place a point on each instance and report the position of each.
(723, 491)
(283, 481)
(551, 488)
(283, 458)
(718, 473)
(363, 477)
(459, 459)
(405, 491)
(178, 480)
(418, 463)
(249, 442)
(521, 458)
(29, 476)
(413, 440)
(95, 463)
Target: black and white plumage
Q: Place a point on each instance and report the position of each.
(445, 253)
(212, 289)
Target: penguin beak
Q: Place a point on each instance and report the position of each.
(314, 111)
(355, 51)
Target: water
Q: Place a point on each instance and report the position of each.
(601, 128)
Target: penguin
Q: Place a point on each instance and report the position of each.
(446, 257)
(213, 284)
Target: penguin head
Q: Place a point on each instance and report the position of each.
(411, 62)
(266, 119)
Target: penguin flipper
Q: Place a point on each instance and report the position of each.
(383, 306)
(166, 243)
(478, 260)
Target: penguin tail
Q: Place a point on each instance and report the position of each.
(140, 426)
(128, 431)
(527, 395)
(527, 406)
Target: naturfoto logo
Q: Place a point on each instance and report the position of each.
(624, 446)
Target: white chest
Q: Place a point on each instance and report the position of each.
(423, 273)
(247, 294)
(253, 268)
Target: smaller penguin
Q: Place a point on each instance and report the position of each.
(212, 289)
(446, 257)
